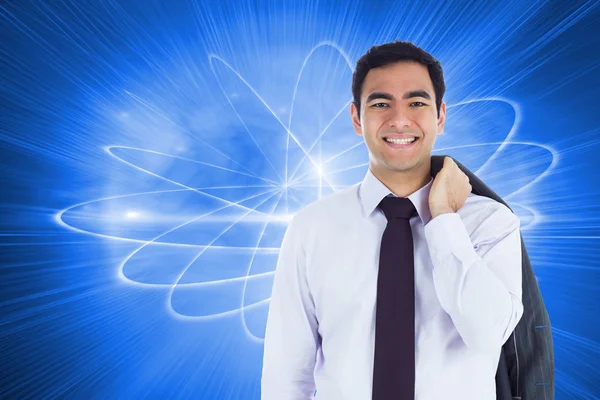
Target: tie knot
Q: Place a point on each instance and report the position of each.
(397, 207)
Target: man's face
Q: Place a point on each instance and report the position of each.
(398, 103)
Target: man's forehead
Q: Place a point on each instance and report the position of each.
(397, 79)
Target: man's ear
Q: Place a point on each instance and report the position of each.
(355, 119)
(441, 119)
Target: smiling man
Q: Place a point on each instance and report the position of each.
(401, 286)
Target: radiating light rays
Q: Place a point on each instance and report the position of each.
(245, 280)
(60, 217)
(243, 306)
(204, 247)
(190, 280)
(510, 133)
(577, 374)
(258, 146)
(317, 166)
(77, 77)
(161, 114)
(314, 143)
(110, 149)
(290, 134)
(293, 188)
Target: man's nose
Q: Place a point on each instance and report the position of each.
(399, 119)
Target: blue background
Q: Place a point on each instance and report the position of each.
(151, 154)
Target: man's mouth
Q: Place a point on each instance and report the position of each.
(400, 141)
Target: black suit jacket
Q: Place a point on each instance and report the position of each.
(526, 367)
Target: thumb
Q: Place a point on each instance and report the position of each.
(448, 161)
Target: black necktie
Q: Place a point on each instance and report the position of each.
(394, 363)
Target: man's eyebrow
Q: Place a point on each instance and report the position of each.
(379, 95)
(416, 93)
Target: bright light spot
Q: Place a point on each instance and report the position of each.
(320, 170)
(288, 217)
(283, 217)
(132, 214)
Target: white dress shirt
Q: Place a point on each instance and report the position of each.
(320, 332)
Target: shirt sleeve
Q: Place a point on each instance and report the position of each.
(478, 283)
(291, 338)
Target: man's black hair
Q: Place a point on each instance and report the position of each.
(393, 52)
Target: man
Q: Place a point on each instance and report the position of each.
(402, 286)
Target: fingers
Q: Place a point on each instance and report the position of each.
(451, 165)
(449, 162)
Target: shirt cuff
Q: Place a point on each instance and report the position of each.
(447, 236)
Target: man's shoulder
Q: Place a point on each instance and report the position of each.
(329, 206)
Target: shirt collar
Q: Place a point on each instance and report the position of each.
(372, 191)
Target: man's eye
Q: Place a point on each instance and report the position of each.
(380, 105)
(417, 104)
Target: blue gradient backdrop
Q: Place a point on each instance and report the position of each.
(152, 154)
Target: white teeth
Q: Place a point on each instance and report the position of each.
(401, 141)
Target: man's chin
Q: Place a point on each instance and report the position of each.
(402, 166)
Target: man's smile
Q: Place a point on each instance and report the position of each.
(400, 141)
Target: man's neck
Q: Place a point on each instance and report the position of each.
(403, 183)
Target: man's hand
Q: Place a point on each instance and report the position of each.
(449, 190)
